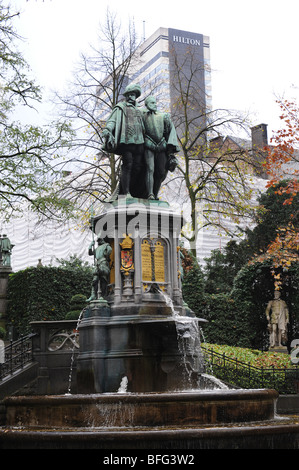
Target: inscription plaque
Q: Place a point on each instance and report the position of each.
(153, 260)
(159, 262)
(146, 257)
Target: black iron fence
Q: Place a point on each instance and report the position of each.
(17, 354)
(245, 375)
(230, 370)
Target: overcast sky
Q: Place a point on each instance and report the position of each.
(254, 44)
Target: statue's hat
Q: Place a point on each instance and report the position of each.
(133, 88)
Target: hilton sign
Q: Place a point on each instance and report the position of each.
(183, 40)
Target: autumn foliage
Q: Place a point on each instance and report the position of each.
(282, 164)
(283, 156)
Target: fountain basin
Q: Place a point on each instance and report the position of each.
(269, 435)
(218, 419)
(145, 410)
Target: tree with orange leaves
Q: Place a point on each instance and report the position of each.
(282, 165)
(282, 160)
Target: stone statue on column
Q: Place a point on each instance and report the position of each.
(277, 314)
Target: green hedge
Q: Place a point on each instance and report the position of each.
(253, 288)
(193, 288)
(251, 368)
(225, 323)
(238, 318)
(43, 294)
(282, 381)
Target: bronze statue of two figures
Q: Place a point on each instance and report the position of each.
(146, 140)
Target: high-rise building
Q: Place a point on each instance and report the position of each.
(168, 62)
(170, 57)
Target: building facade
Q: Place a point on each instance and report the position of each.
(170, 57)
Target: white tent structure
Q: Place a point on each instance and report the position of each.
(34, 241)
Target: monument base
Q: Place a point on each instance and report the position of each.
(146, 349)
(143, 331)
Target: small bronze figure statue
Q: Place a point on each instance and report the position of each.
(101, 270)
(5, 250)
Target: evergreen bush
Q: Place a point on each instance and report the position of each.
(225, 324)
(238, 318)
(193, 285)
(253, 289)
(78, 302)
(43, 293)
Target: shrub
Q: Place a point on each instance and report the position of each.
(253, 288)
(193, 288)
(224, 325)
(238, 318)
(247, 368)
(73, 315)
(78, 302)
(254, 357)
(43, 293)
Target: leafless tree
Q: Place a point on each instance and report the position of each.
(210, 173)
(213, 173)
(98, 83)
(28, 153)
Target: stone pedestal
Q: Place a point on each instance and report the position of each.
(279, 349)
(133, 333)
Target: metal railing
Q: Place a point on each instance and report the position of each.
(17, 354)
(245, 375)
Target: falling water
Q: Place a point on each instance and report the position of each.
(123, 385)
(169, 303)
(208, 382)
(73, 353)
(207, 356)
(189, 334)
(189, 345)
